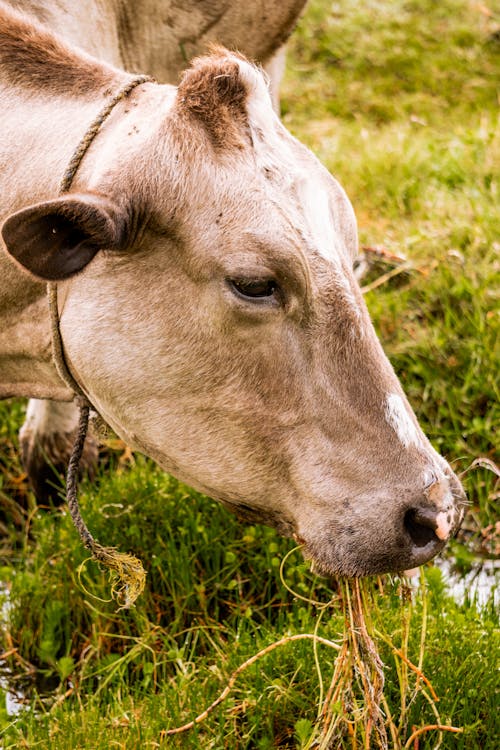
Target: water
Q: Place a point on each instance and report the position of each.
(477, 585)
(12, 703)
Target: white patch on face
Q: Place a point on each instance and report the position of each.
(398, 417)
(273, 152)
(317, 214)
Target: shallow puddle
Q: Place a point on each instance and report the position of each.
(477, 586)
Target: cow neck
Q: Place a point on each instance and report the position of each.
(128, 570)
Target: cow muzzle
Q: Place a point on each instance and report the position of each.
(430, 524)
(386, 536)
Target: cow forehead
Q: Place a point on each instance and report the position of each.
(277, 152)
(269, 189)
(274, 187)
(275, 202)
(275, 178)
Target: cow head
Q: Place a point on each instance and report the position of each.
(209, 310)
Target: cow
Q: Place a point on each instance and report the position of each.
(206, 299)
(159, 37)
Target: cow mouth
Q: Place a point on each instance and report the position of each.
(424, 545)
(421, 543)
(345, 557)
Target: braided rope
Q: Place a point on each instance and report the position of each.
(57, 344)
(94, 128)
(64, 186)
(128, 570)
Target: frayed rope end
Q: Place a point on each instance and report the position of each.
(127, 572)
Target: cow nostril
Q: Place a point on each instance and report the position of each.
(421, 524)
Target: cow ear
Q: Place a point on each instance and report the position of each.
(56, 239)
(214, 90)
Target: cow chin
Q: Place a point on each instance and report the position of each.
(356, 559)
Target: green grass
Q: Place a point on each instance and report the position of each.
(214, 598)
(398, 99)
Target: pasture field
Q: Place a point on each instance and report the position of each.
(400, 100)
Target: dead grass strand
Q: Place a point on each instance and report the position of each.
(263, 652)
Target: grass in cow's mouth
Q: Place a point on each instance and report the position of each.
(399, 100)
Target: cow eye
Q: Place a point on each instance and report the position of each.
(254, 288)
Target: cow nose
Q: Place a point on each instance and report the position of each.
(424, 524)
(421, 524)
(434, 522)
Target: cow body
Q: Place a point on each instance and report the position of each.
(207, 303)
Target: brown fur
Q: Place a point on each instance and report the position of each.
(33, 58)
(212, 91)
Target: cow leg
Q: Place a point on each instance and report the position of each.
(275, 67)
(46, 439)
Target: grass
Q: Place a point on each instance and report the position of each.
(398, 99)
(214, 598)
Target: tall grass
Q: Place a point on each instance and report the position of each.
(399, 100)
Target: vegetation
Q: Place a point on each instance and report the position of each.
(398, 99)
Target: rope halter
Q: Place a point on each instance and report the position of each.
(127, 571)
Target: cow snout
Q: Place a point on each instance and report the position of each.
(414, 532)
(432, 522)
(440, 521)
